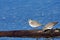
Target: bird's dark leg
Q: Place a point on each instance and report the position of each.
(36, 38)
(36, 29)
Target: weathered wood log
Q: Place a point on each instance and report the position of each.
(30, 33)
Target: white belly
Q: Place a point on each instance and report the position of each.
(34, 25)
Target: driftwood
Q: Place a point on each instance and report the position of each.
(30, 33)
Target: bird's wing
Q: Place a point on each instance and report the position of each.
(49, 25)
(37, 23)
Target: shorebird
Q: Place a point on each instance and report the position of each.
(49, 25)
(34, 23)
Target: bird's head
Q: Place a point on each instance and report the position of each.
(30, 20)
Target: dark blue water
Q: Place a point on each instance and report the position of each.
(14, 14)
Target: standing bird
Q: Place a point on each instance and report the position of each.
(34, 23)
(49, 25)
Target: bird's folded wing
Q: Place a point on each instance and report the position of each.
(49, 25)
